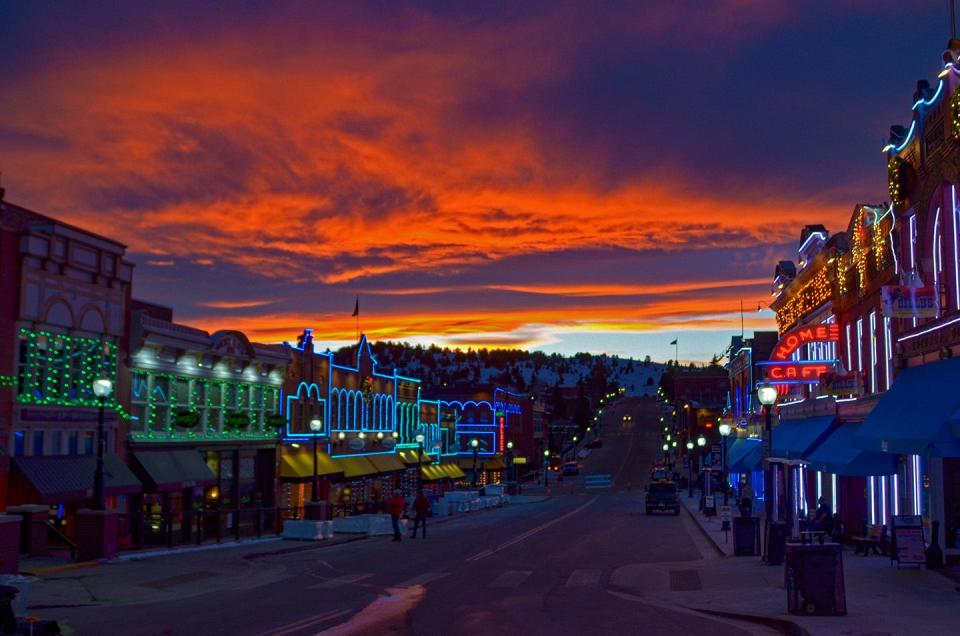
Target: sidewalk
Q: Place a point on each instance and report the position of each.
(171, 574)
(880, 598)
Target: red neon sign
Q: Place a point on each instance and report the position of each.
(797, 372)
(795, 338)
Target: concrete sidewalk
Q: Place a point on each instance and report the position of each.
(880, 598)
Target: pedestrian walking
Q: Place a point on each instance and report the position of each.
(395, 506)
(421, 506)
(746, 500)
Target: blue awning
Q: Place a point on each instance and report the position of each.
(736, 449)
(751, 460)
(794, 439)
(838, 455)
(915, 416)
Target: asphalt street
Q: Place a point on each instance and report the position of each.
(539, 568)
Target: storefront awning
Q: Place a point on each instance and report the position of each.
(794, 439)
(409, 456)
(918, 415)
(838, 455)
(59, 479)
(466, 463)
(299, 465)
(172, 470)
(433, 472)
(357, 466)
(494, 464)
(453, 471)
(751, 460)
(738, 448)
(387, 463)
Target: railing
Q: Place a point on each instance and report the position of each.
(60, 540)
(171, 529)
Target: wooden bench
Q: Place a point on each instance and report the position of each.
(874, 541)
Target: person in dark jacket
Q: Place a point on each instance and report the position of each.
(395, 506)
(421, 506)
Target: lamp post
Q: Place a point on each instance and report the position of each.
(513, 467)
(420, 439)
(724, 434)
(102, 388)
(475, 446)
(316, 425)
(767, 394)
(546, 466)
(689, 470)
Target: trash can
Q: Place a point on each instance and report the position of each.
(776, 542)
(746, 536)
(814, 577)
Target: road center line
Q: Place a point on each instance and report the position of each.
(528, 533)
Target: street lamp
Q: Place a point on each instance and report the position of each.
(102, 388)
(546, 466)
(689, 470)
(316, 425)
(724, 433)
(767, 394)
(475, 446)
(513, 467)
(420, 439)
(701, 441)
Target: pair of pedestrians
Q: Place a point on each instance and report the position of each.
(421, 507)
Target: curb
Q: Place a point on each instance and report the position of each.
(65, 567)
(313, 545)
(781, 624)
(706, 535)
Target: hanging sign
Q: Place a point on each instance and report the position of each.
(902, 301)
(835, 384)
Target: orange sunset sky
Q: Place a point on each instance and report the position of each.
(561, 176)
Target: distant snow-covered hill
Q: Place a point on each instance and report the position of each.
(522, 370)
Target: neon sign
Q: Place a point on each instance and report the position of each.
(795, 338)
(805, 372)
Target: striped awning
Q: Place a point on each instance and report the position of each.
(433, 472)
(356, 466)
(59, 479)
(387, 463)
(409, 456)
(294, 466)
(494, 464)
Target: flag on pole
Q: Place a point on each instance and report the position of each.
(674, 342)
(356, 308)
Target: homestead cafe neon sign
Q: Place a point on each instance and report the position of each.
(782, 369)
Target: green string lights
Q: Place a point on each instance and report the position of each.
(895, 179)
(955, 114)
(59, 370)
(186, 398)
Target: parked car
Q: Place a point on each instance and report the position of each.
(571, 468)
(662, 496)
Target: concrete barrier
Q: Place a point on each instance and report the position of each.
(365, 524)
(307, 530)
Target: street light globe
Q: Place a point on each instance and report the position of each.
(674, 443)
(546, 453)
(574, 438)
(689, 445)
(102, 387)
(395, 434)
(316, 425)
(666, 447)
(767, 394)
(725, 429)
(380, 435)
(509, 445)
(701, 441)
(362, 435)
(668, 437)
(589, 429)
(474, 443)
(341, 435)
(419, 438)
